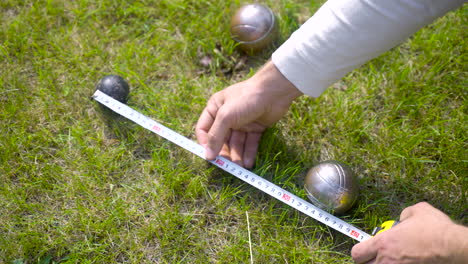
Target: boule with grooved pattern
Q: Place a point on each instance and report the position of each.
(332, 186)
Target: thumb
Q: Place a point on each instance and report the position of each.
(364, 251)
(218, 133)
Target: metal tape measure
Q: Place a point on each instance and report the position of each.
(232, 168)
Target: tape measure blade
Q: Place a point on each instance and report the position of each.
(232, 168)
(290, 199)
(148, 123)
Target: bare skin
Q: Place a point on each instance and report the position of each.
(235, 118)
(425, 235)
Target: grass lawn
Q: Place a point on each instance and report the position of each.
(77, 186)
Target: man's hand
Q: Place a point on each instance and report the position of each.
(424, 235)
(235, 118)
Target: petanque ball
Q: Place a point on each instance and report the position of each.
(254, 27)
(114, 86)
(332, 186)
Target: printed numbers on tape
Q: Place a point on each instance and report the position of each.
(232, 168)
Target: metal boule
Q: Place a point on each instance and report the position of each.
(114, 86)
(254, 27)
(332, 186)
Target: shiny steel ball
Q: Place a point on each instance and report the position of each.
(332, 186)
(254, 27)
(114, 86)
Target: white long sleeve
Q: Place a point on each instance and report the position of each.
(344, 34)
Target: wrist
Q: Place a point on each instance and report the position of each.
(272, 82)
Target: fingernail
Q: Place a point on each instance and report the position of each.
(209, 154)
(248, 163)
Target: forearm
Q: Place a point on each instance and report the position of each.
(342, 35)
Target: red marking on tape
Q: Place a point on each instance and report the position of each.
(354, 234)
(156, 128)
(219, 162)
(286, 197)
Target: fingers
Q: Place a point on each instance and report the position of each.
(218, 134)
(203, 129)
(407, 213)
(250, 148)
(225, 152)
(416, 239)
(204, 123)
(414, 209)
(213, 131)
(242, 148)
(365, 252)
(236, 145)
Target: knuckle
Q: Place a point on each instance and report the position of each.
(407, 210)
(413, 209)
(225, 115)
(422, 205)
(383, 240)
(217, 98)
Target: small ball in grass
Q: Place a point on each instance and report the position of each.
(332, 186)
(254, 27)
(114, 86)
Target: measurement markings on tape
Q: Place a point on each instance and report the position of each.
(232, 168)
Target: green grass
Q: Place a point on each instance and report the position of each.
(79, 187)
